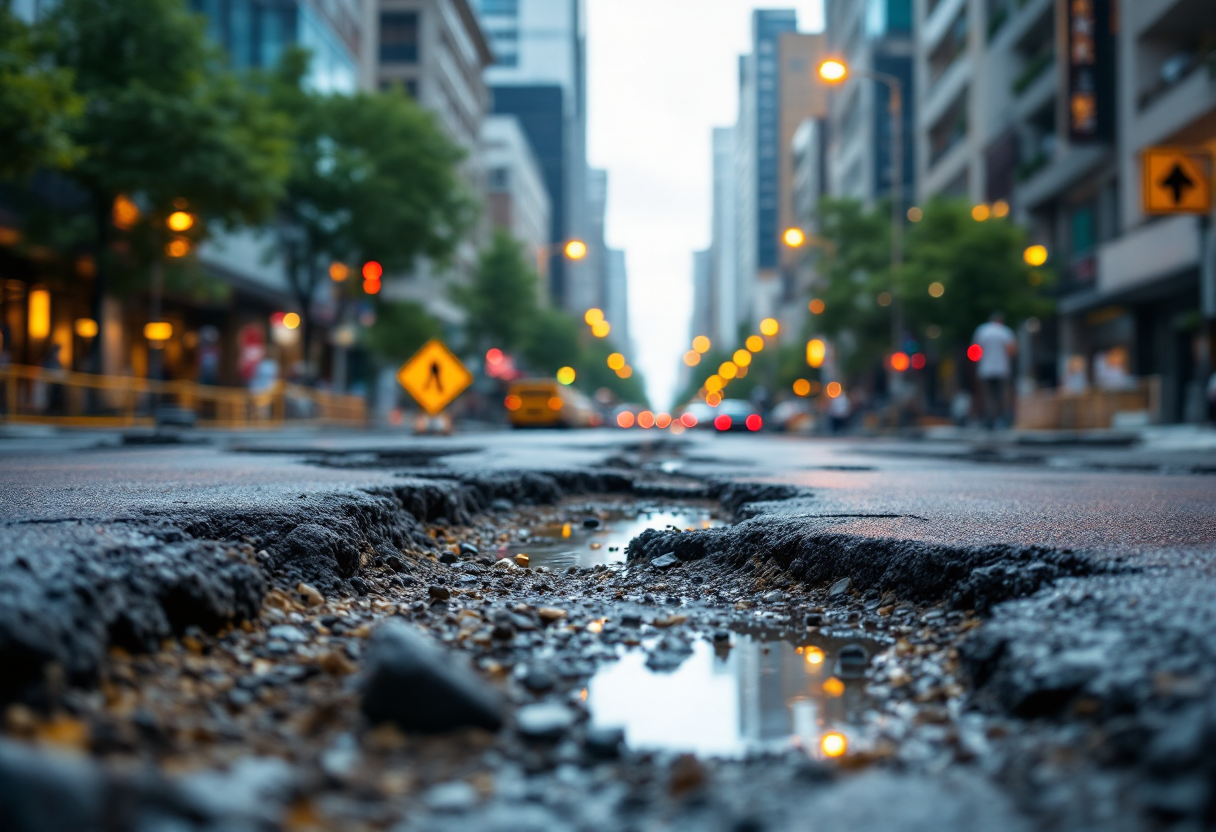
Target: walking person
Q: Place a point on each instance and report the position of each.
(998, 346)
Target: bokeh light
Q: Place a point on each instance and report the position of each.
(833, 744)
(1035, 255)
(728, 370)
(624, 419)
(291, 320)
(802, 387)
(616, 361)
(372, 270)
(769, 327)
(180, 221)
(741, 358)
(593, 316)
(646, 420)
(601, 329)
(816, 306)
(900, 362)
(701, 344)
(576, 249)
(793, 237)
(338, 272)
(834, 389)
(692, 358)
(566, 375)
(816, 351)
(936, 289)
(975, 352)
(755, 343)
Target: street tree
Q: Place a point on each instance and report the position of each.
(502, 305)
(38, 105)
(165, 125)
(373, 177)
(400, 330)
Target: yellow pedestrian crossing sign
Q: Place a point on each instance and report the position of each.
(1177, 181)
(434, 376)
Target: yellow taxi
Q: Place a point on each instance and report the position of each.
(544, 403)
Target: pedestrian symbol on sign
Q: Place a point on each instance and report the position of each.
(1177, 181)
(434, 377)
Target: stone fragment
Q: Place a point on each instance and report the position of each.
(438, 593)
(687, 775)
(544, 720)
(288, 632)
(447, 557)
(550, 614)
(591, 523)
(469, 550)
(840, 587)
(335, 663)
(506, 564)
(312, 598)
(665, 561)
(604, 743)
(521, 559)
(397, 563)
(416, 685)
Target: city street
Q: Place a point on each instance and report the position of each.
(357, 629)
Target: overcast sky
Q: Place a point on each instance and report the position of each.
(661, 74)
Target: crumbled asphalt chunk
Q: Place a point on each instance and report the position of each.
(591, 523)
(438, 593)
(840, 588)
(416, 685)
(665, 561)
(604, 743)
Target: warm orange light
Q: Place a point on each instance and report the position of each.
(624, 419)
(38, 324)
(833, 687)
(713, 399)
(834, 389)
(338, 272)
(915, 214)
(802, 387)
(741, 358)
(662, 420)
(816, 306)
(180, 221)
(701, 344)
(813, 655)
(727, 370)
(936, 289)
(646, 419)
(566, 376)
(981, 212)
(816, 351)
(593, 316)
(1035, 255)
(900, 362)
(125, 213)
(1000, 209)
(555, 403)
(833, 71)
(601, 329)
(86, 327)
(884, 298)
(714, 383)
(616, 361)
(158, 331)
(624, 372)
(755, 343)
(793, 237)
(372, 270)
(769, 327)
(177, 248)
(833, 744)
(371, 287)
(576, 249)
(692, 358)
(291, 320)
(513, 402)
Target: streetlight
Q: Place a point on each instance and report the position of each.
(571, 249)
(835, 71)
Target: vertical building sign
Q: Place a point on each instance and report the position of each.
(1090, 70)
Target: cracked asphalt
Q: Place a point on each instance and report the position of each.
(1039, 622)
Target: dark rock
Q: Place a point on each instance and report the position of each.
(774, 597)
(538, 680)
(665, 561)
(814, 619)
(417, 685)
(359, 585)
(288, 632)
(544, 720)
(502, 505)
(852, 661)
(469, 550)
(397, 563)
(448, 557)
(438, 593)
(604, 743)
(631, 619)
(840, 587)
(721, 636)
(591, 523)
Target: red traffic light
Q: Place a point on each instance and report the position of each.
(900, 362)
(918, 361)
(372, 270)
(975, 352)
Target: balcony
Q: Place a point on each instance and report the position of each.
(1057, 172)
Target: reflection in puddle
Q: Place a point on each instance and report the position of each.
(756, 696)
(559, 545)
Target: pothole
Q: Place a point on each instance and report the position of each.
(600, 538)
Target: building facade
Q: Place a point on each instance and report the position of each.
(516, 198)
(1049, 106)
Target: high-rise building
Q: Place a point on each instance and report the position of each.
(539, 76)
(516, 198)
(1049, 107)
(725, 238)
(589, 291)
(871, 36)
(616, 301)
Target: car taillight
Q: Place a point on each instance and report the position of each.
(722, 422)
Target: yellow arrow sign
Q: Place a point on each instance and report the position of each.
(1177, 181)
(434, 376)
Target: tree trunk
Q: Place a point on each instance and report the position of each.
(101, 216)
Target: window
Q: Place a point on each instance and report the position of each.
(1083, 236)
(507, 7)
(399, 37)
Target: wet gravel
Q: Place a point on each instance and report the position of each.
(386, 660)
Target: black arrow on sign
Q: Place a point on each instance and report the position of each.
(1178, 182)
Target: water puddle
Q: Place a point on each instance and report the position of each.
(761, 694)
(559, 545)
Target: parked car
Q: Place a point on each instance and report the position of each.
(544, 403)
(737, 414)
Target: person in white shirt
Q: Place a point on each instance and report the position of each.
(998, 345)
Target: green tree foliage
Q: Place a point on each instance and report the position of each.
(373, 177)
(979, 265)
(38, 106)
(502, 306)
(401, 328)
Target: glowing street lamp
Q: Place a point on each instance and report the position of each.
(1035, 255)
(833, 71)
(769, 327)
(180, 221)
(576, 249)
(793, 237)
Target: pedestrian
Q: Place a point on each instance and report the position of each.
(998, 345)
(839, 411)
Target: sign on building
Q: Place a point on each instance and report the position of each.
(1177, 181)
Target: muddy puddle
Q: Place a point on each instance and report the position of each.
(760, 694)
(578, 543)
